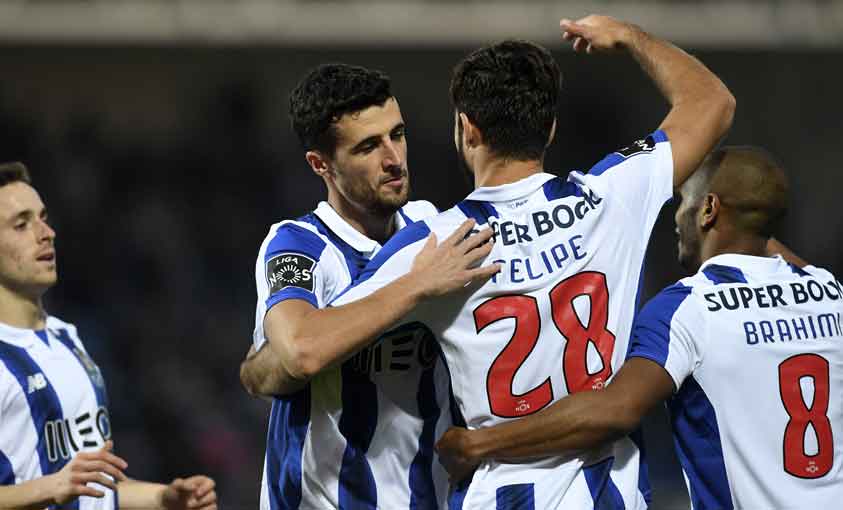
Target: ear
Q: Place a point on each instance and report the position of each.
(473, 137)
(709, 211)
(552, 133)
(318, 163)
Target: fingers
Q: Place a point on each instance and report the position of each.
(460, 233)
(85, 478)
(100, 467)
(205, 487)
(430, 244)
(477, 239)
(205, 502)
(483, 273)
(84, 490)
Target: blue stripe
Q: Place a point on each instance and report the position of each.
(458, 492)
(651, 331)
(93, 371)
(723, 274)
(422, 487)
(637, 437)
(7, 473)
(659, 136)
(556, 188)
(292, 238)
(520, 496)
(354, 260)
(615, 159)
(288, 423)
(480, 210)
(44, 404)
(42, 334)
(291, 293)
(407, 220)
(603, 490)
(357, 487)
(698, 447)
(403, 238)
(798, 270)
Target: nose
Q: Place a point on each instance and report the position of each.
(392, 155)
(45, 231)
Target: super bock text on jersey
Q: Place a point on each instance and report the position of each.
(53, 405)
(361, 435)
(554, 321)
(755, 349)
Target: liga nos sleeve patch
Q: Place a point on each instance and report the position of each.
(290, 270)
(646, 145)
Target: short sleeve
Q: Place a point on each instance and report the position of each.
(394, 260)
(664, 333)
(639, 175)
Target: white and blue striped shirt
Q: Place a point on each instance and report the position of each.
(755, 349)
(53, 405)
(554, 321)
(359, 436)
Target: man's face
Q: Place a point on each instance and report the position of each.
(27, 254)
(370, 161)
(688, 231)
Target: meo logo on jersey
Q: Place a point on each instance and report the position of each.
(646, 145)
(290, 270)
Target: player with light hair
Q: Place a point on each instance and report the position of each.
(55, 432)
(747, 352)
(556, 319)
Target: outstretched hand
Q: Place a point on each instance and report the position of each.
(101, 467)
(196, 492)
(596, 33)
(452, 264)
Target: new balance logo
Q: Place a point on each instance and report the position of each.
(36, 382)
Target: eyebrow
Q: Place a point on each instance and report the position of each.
(376, 138)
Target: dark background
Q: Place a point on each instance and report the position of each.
(163, 169)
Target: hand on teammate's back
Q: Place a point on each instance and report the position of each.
(597, 33)
(444, 267)
(453, 448)
(88, 467)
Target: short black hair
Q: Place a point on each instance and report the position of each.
(510, 91)
(328, 92)
(14, 171)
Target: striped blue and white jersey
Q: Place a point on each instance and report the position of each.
(554, 321)
(361, 435)
(755, 350)
(53, 405)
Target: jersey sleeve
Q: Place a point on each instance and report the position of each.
(639, 176)
(664, 332)
(290, 265)
(394, 260)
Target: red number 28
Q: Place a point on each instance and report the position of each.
(525, 311)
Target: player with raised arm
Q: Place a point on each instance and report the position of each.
(748, 353)
(556, 319)
(356, 426)
(55, 433)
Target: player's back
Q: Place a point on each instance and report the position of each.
(758, 421)
(555, 320)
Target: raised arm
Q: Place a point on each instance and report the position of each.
(702, 108)
(306, 340)
(578, 422)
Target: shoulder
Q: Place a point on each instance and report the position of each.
(60, 327)
(294, 236)
(639, 153)
(665, 306)
(819, 272)
(419, 209)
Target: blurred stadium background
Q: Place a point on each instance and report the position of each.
(157, 133)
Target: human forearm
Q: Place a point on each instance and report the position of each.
(32, 495)
(138, 495)
(320, 338)
(263, 374)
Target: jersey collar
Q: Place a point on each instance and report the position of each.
(17, 336)
(346, 232)
(511, 191)
(748, 263)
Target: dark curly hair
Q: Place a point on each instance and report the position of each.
(326, 94)
(510, 91)
(14, 171)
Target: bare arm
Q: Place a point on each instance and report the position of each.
(306, 340)
(580, 421)
(67, 484)
(775, 247)
(262, 373)
(702, 108)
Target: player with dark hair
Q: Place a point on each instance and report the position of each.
(747, 353)
(556, 319)
(356, 425)
(55, 434)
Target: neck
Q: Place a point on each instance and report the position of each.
(492, 171)
(379, 228)
(21, 311)
(740, 245)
